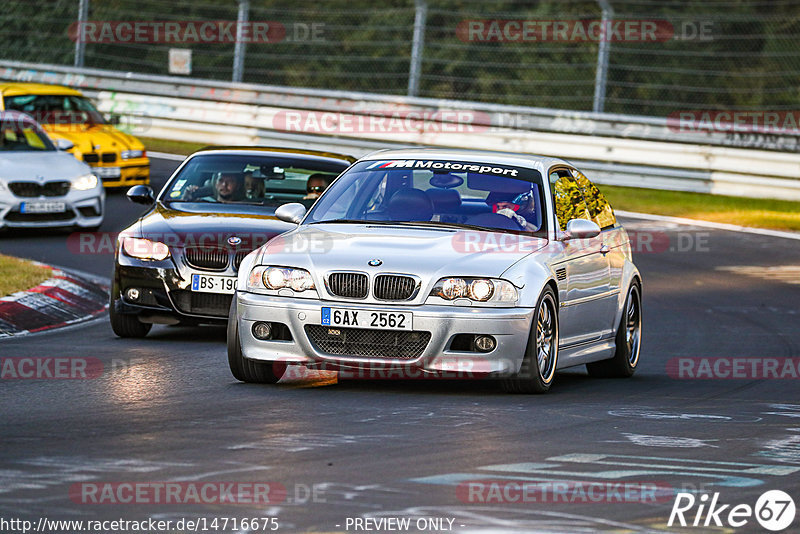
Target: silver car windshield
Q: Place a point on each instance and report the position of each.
(443, 193)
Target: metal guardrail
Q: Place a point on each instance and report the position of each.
(616, 149)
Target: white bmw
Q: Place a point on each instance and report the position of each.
(41, 185)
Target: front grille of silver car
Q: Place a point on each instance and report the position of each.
(32, 189)
(348, 285)
(207, 258)
(367, 343)
(394, 287)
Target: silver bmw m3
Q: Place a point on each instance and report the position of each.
(456, 263)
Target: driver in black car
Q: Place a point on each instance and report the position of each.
(229, 187)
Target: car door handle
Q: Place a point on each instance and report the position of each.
(604, 249)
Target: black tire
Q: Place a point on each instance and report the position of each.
(243, 369)
(628, 340)
(127, 325)
(541, 354)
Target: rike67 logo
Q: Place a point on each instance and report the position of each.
(774, 511)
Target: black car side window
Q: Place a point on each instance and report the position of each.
(567, 198)
(599, 209)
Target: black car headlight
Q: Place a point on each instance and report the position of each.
(144, 249)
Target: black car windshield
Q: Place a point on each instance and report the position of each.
(56, 109)
(266, 180)
(22, 135)
(443, 193)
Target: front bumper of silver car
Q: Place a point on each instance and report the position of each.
(510, 328)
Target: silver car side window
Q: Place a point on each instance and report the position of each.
(568, 200)
(599, 209)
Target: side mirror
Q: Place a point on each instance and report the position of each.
(64, 144)
(141, 194)
(581, 229)
(292, 212)
(113, 119)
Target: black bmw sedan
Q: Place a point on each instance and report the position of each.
(177, 264)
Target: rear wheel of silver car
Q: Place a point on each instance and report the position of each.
(628, 340)
(126, 324)
(243, 369)
(541, 355)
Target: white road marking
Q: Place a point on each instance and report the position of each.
(165, 155)
(709, 224)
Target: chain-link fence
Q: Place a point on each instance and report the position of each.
(646, 57)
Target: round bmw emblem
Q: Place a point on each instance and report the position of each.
(374, 263)
(234, 241)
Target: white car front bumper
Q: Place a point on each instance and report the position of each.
(81, 208)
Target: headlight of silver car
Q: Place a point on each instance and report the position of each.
(132, 154)
(144, 249)
(85, 182)
(475, 289)
(277, 278)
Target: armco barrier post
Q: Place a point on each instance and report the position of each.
(602, 57)
(240, 47)
(417, 48)
(80, 44)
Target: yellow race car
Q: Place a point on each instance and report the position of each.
(117, 158)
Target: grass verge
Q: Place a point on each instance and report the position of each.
(755, 212)
(172, 147)
(17, 275)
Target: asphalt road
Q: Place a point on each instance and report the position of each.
(166, 409)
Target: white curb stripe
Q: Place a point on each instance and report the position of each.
(708, 224)
(165, 155)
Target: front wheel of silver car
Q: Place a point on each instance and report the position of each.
(541, 355)
(628, 340)
(243, 369)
